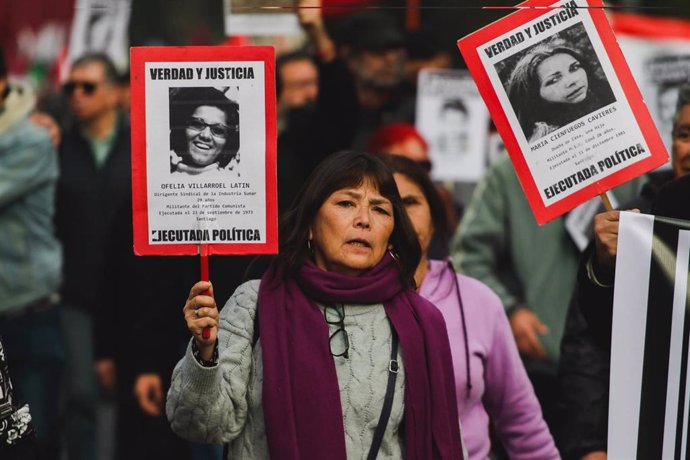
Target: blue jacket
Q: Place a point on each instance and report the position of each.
(30, 255)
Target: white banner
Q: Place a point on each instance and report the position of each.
(648, 407)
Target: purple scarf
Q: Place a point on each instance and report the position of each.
(301, 396)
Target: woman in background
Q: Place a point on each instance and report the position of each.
(490, 381)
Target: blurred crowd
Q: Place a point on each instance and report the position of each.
(83, 320)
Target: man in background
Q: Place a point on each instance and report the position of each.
(94, 183)
(297, 81)
(31, 263)
(361, 73)
(585, 360)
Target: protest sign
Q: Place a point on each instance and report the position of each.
(260, 17)
(658, 53)
(564, 101)
(101, 26)
(204, 150)
(455, 123)
(649, 392)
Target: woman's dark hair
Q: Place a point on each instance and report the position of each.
(184, 101)
(523, 85)
(410, 169)
(338, 171)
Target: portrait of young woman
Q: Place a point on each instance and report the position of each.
(553, 84)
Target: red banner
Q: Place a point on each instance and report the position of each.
(34, 34)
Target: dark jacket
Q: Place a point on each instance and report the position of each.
(87, 203)
(586, 353)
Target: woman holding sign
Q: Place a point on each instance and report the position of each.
(204, 131)
(490, 380)
(553, 85)
(346, 349)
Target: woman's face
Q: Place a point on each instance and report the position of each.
(351, 230)
(418, 210)
(562, 79)
(206, 134)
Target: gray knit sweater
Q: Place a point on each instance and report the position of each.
(222, 404)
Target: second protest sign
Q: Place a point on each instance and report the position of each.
(564, 101)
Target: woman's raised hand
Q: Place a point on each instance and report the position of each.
(200, 311)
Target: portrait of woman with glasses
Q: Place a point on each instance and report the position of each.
(204, 131)
(332, 349)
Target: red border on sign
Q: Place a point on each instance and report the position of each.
(139, 57)
(469, 46)
(650, 27)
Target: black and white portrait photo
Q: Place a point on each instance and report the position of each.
(555, 82)
(204, 131)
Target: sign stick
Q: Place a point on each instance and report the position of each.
(203, 254)
(607, 203)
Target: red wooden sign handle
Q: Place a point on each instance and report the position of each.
(203, 253)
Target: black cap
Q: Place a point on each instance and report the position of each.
(373, 30)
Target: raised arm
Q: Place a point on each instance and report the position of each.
(207, 402)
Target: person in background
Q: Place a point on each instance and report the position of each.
(30, 266)
(123, 84)
(490, 381)
(361, 76)
(532, 268)
(423, 52)
(299, 148)
(94, 182)
(299, 364)
(585, 350)
(297, 85)
(404, 139)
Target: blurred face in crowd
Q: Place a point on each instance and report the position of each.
(300, 84)
(380, 69)
(206, 134)
(452, 131)
(90, 95)
(351, 230)
(418, 210)
(680, 149)
(562, 79)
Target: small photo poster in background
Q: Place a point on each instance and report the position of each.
(564, 101)
(453, 119)
(658, 53)
(260, 17)
(204, 150)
